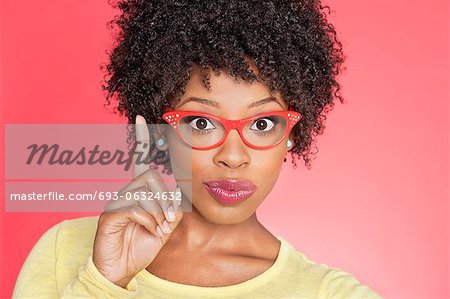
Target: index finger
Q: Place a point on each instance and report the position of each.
(153, 180)
(142, 148)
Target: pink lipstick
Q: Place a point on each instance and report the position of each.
(230, 191)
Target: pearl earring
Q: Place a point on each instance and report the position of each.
(160, 142)
(289, 143)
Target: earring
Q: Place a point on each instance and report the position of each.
(289, 143)
(160, 142)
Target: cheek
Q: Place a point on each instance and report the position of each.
(269, 160)
(191, 166)
(202, 167)
(266, 168)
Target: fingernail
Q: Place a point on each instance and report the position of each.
(175, 206)
(171, 213)
(178, 191)
(139, 119)
(159, 231)
(166, 227)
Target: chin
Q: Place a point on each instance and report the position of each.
(222, 216)
(218, 214)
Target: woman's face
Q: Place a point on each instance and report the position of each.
(233, 159)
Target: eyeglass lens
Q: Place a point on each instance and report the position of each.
(200, 131)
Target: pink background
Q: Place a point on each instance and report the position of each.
(376, 200)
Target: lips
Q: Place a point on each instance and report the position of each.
(230, 191)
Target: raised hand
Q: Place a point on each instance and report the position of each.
(130, 233)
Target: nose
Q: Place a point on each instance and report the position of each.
(233, 152)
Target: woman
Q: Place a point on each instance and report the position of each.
(238, 85)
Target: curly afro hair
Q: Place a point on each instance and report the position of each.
(294, 47)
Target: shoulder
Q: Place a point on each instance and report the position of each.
(68, 242)
(55, 258)
(78, 230)
(70, 230)
(301, 270)
(75, 234)
(322, 280)
(338, 283)
(74, 242)
(85, 225)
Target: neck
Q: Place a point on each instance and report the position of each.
(195, 232)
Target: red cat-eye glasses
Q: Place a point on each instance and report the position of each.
(206, 131)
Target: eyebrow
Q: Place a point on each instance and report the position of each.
(217, 104)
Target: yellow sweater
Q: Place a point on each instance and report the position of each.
(60, 266)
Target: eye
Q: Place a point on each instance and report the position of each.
(201, 123)
(263, 124)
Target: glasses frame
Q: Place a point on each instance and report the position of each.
(173, 118)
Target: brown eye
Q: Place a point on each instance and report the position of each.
(201, 123)
(262, 124)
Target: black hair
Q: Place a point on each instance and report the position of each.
(293, 45)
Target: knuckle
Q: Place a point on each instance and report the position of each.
(159, 217)
(150, 173)
(134, 210)
(103, 219)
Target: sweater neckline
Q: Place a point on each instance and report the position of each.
(247, 285)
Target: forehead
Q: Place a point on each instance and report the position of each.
(228, 91)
